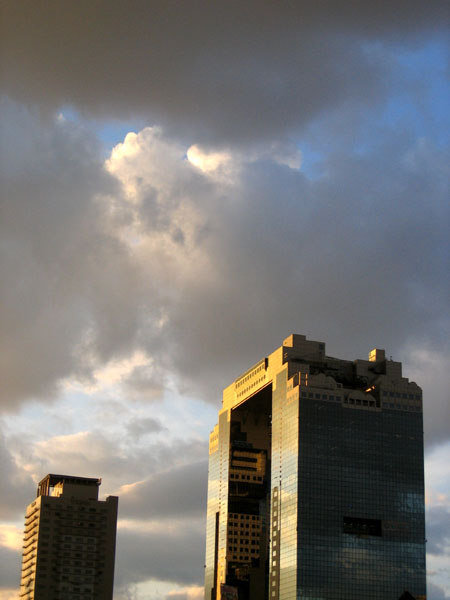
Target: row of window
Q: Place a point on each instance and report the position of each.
(404, 396)
(359, 402)
(409, 407)
(244, 542)
(79, 539)
(243, 477)
(242, 527)
(241, 381)
(335, 398)
(252, 385)
(317, 396)
(242, 551)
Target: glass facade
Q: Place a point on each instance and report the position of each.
(212, 517)
(217, 515)
(283, 543)
(361, 503)
(321, 459)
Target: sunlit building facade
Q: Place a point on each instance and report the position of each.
(69, 541)
(316, 488)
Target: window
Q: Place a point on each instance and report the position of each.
(361, 526)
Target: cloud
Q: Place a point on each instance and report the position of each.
(144, 426)
(434, 378)
(183, 270)
(142, 462)
(347, 238)
(190, 593)
(86, 453)
(210, 162)
(225, 166)
(54, 251)
(116, 371)
(8, 594)
(175, 492)
(14, 495)
(173, 554)
(11, 537)
(221, 71)
(435, 592)
(438, 530)
(10, 563)
(437, 466)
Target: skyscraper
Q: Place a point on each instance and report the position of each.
(69, 541)
(316, 487)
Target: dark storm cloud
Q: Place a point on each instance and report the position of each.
(224, 70)
(155, 465)
(10, 562)
(14, 497)
(169, 553)
(54, 252)
(178, 492)
(430, 371)
(138, 428)
(356, 258)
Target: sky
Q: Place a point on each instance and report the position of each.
(183, 185)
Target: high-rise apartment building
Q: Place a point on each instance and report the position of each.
(69, 541)
(316, 488)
